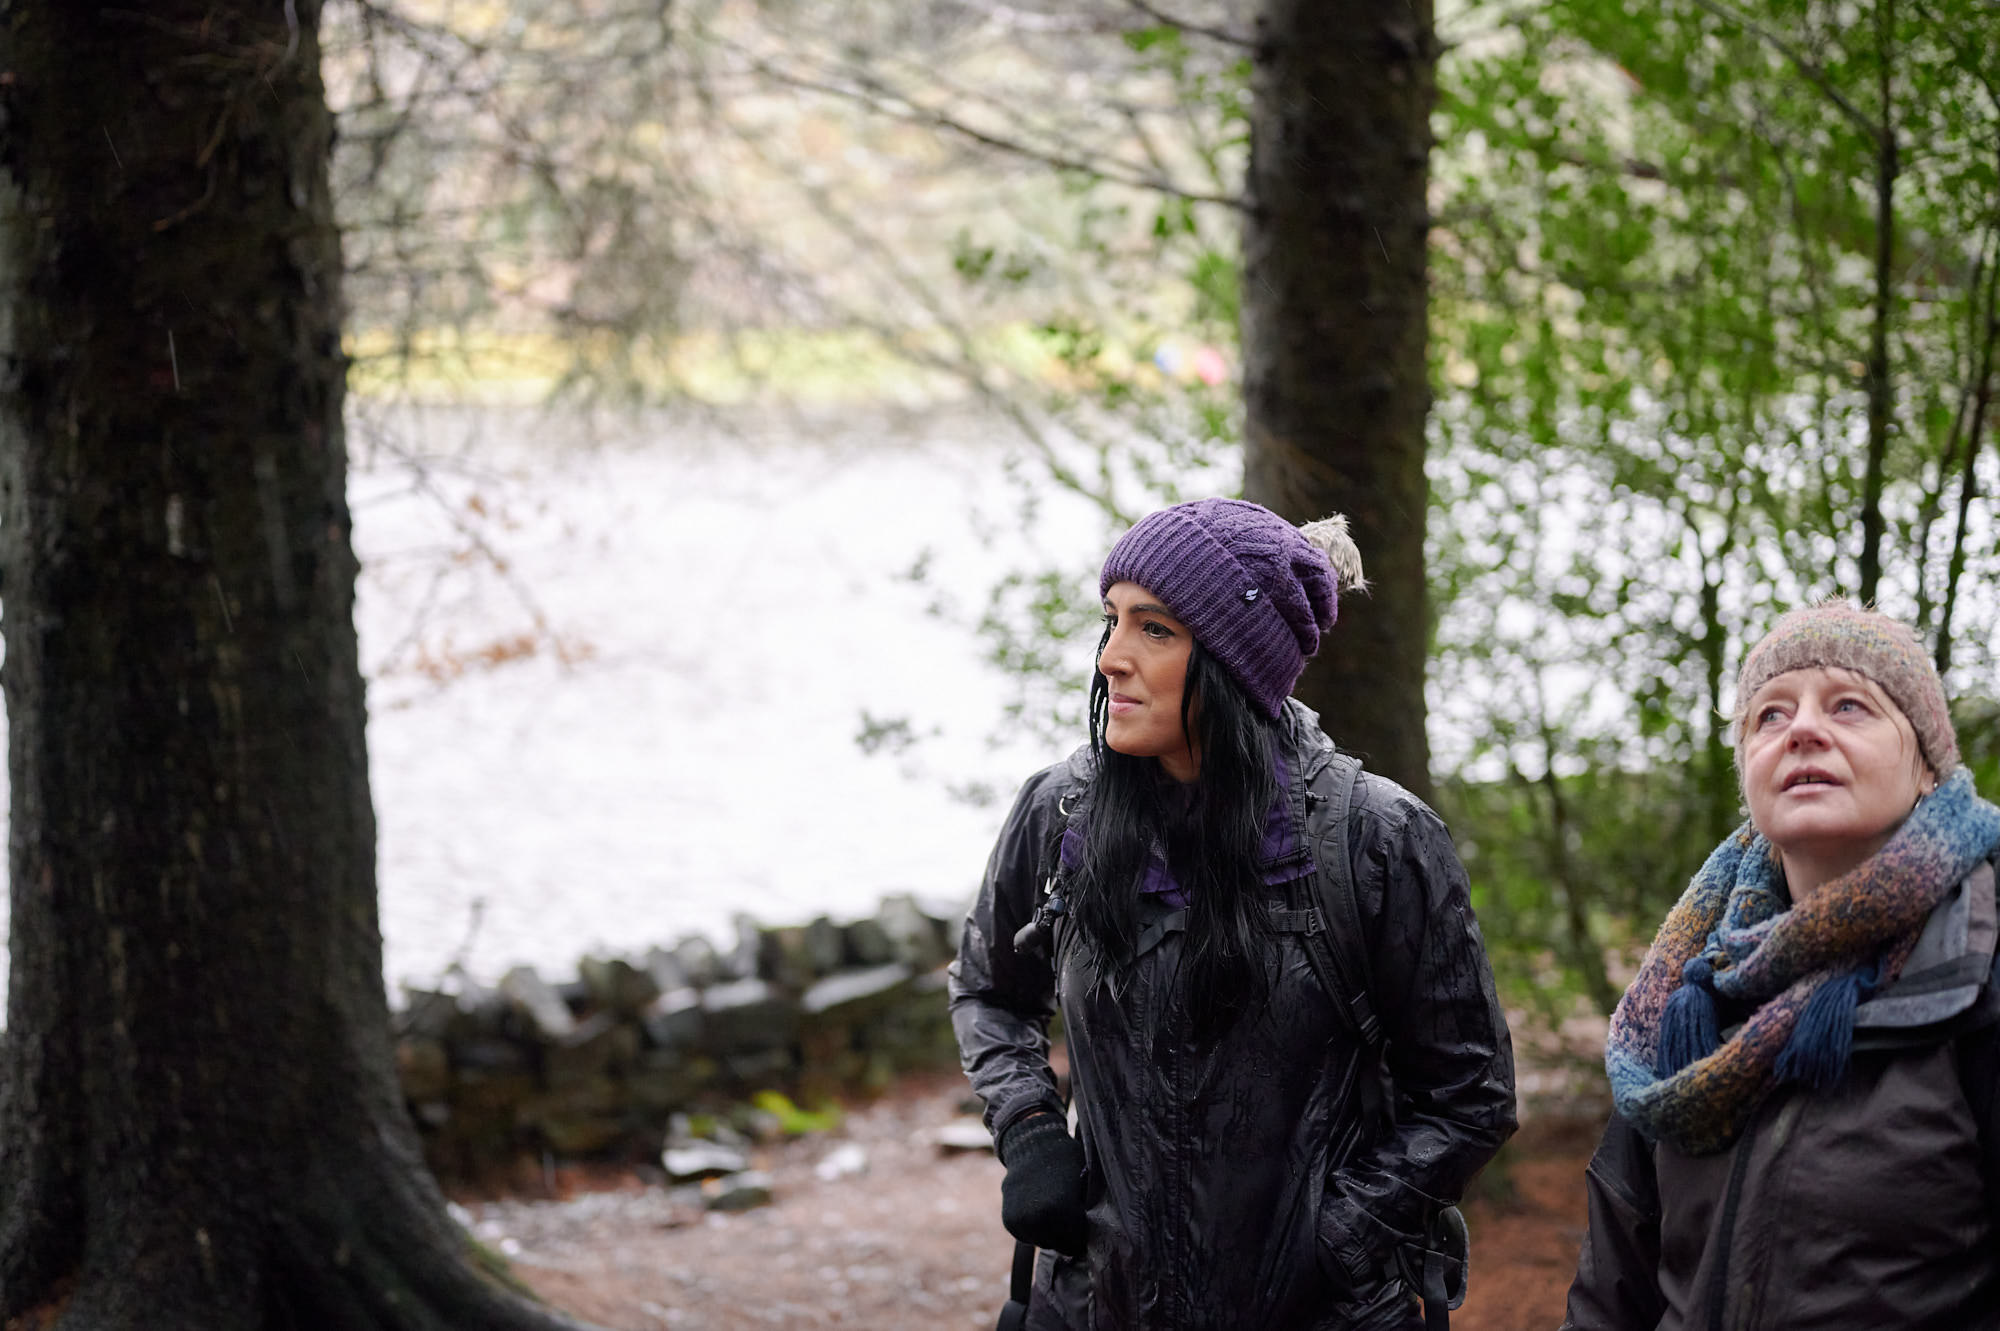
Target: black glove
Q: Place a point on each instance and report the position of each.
(1041, 1198)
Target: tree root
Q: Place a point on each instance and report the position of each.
(303, 1276)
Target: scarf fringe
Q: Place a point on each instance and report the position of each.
(1688, 1028)
(1822, 1043)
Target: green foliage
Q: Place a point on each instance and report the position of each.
(1658, 296)
(879, 734)
(792, 1120)
(1977, 720)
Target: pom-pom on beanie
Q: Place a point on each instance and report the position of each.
(1255, 591)
(1868, 643)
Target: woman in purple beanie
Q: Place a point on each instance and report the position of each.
(1806, 1069)
(1263, 1139)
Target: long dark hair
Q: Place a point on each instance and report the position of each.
(1212, 833)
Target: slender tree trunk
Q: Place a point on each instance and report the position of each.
(199, 1121)
(1336, 386)
(1968, 480)
(1720, 794)
(1880, 389)
(1580, 948)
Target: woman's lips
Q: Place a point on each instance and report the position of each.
(1120, 704)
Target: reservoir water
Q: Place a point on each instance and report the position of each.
(616, 677)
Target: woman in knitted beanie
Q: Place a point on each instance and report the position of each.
(1804, 1069)
(1245, 1153)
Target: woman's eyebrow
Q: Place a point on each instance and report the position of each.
(1144, 608)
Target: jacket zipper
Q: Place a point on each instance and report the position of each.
(1718, 1288)
(1176, 1302)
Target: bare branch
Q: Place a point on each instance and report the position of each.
(1811, 72)
(1222, 35)
(1009, 19)
(966, 365)
(894, 105)
(1808, 259)
(1972, 60)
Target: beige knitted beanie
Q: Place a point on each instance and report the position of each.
(1868, 643)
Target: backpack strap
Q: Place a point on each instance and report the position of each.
(1435, 1268)
(1041, 935)
(1334, 939)
(1977, 1051)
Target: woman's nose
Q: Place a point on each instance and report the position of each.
(1808, 726)
(1113, 660)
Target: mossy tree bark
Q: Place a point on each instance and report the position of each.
(199, 1120)
(1335, 317)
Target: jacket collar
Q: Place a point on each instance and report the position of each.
(1949, 965)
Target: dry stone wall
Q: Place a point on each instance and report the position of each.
(599, 1064)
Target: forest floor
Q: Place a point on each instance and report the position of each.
(913, 1239)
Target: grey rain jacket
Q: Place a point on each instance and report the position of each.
(1236, 1184)
(1868, 1206)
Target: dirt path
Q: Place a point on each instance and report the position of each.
(915, 1241)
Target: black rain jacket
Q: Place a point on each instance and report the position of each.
(1238, 1183)
(1867, 1206)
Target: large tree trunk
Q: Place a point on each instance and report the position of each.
(199, 1121)
(1334, 324)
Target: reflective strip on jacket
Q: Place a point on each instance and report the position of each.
(1234, 1183)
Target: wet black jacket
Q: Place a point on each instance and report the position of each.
(1235, 1184)
(1868, 1206)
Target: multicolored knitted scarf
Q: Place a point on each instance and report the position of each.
(1803, 969)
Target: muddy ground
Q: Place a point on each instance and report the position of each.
(913, 1239)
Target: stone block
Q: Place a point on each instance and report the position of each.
(491, 1097)
(698, 961)
(737, 1192)
(825, 949)
(423, 1068)
(583, 1135)
(918, 939)
(663, 1080)
(616, 985)
(869, 944)
(782, 958)
(482, 1011)
(758, 1069)
(666, 970)
(491, 1054)
(597, 1045)
(673, 1020)
(579, 1119)
(855, 993)
(747, 1015)
(739, 959)
(702, 1160)
(533, 999)
(427, 1013)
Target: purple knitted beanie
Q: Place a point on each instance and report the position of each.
(1868, 643)
(1256, 591)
